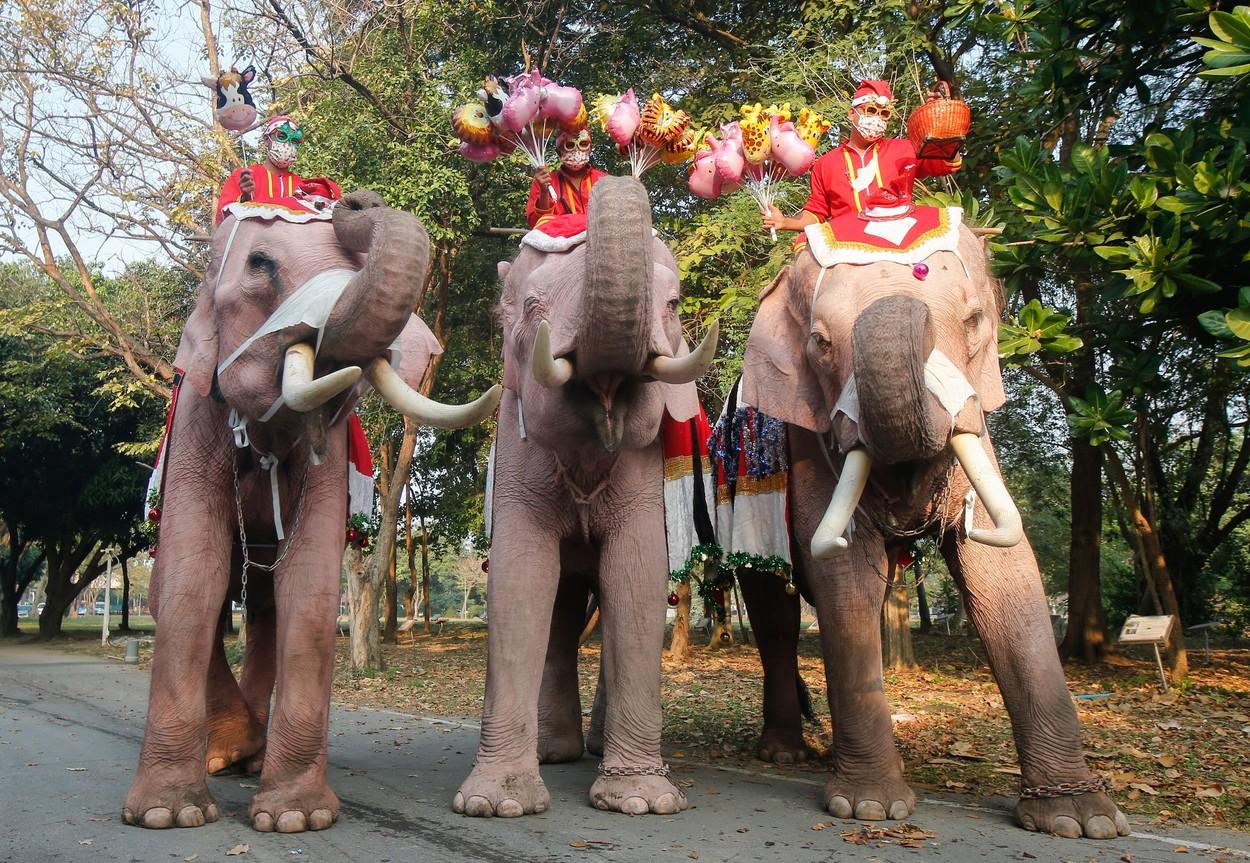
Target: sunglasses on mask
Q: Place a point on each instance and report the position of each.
(571, 146)
(288, 135)
(872, 109)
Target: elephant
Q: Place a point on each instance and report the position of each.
(882, 373)
(255, 477)
(593, 357)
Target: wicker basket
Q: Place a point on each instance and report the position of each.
(939, 126)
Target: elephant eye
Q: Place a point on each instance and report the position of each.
(531, 303)
(822, 343)
(972, 329)
(673, 304)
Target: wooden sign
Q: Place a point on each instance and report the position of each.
(1139, 629)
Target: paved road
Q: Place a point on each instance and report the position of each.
(70, 729)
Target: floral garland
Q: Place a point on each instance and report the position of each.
(361, 530)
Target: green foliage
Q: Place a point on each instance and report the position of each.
(1035, 329)
(1230, 53)
(1100, 417)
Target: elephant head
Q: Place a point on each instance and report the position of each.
(592, 339)
(289, 315)
(897, 362)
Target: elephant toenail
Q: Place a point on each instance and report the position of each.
(1121, 823)
(291, 821)
(665, 804)
(602, 804)
(320, 819)
(1100, 827)
(479, 807)
(128, 816)
(635, 806)
(158, 818)
(216, 765)
(783, 758)
(840, 807)
(210, 813)
(541, 806)
(509, 809)
(190, 816)
(869, 810)
(457, 803)
(1066, 827)
(263, 822)
(899, 810)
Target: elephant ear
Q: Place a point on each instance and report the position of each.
(416, 346)
(197, 349)
(509, 311)
(776, 377)
(989, 376)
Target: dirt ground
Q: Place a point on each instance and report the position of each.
(1181, 758)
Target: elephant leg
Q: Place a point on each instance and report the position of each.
(520, 593)
(774, 619)
(234, 735)
(560, 703)
(260, 668)
(294, 795)
(170, 786)
(1002, 592)
(598, 715)
(867, 781)
(633, 583)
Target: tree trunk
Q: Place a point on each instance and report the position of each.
(384, 549)
(897, 653)
(922, 602)
(425, 574)
(410, 595)
(390, 603)
(362, 599)
(1086, 638)
(679, 645)
(125, 627)
(1154, 565)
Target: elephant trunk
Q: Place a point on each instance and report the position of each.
(899, 419)
(613, 336)
(378, 300)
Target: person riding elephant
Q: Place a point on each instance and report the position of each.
(867, 373)
(593, 359)
(297, 303)
(273, 180)
(572, 182)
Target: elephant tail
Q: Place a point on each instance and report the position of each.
(805, 698)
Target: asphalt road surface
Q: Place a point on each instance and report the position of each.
(70, 729)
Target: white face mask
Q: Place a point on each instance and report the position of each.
(870, 126)
(281, 153)
(575, 160)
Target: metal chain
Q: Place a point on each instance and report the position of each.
(661, 770)
(1101, 785)
(290, 540)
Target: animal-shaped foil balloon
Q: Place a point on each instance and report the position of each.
(472, 125)
(619, 116)
(524, 97)
(680, 149)
(754, 125)
(730, 161)
(811, 127)
(660, 122)
(560, 103)
(703, 180)
(487, 152)
(236, 110)
(788, 149)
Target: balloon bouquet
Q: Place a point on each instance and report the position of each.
(531, 115)
(649, 134)
(757, 152)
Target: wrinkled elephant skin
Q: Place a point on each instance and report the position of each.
(199, 718)
(892, 331)
(578, 500)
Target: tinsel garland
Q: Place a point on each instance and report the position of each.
(712, 556)
(753, 436)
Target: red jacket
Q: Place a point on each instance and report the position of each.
(832, 191)
(273, 186)
(574, 196)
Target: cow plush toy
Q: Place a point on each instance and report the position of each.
(235, 109)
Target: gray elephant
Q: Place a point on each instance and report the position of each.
(882, 373)
(255, 470)
(593, 357)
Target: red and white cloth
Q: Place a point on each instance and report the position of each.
(853, 239)
(301, 198)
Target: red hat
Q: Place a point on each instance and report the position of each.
(872, 91)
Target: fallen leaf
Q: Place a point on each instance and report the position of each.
(1166, 760)
(189, 859)
(86, 841)
(693, 855)
(1010, 771)
(1144, 788)
(744, 829)
(241, 848)
(1169, 725)
(1211, 791)
(821, 825)
(578, 843)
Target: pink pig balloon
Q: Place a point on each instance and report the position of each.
(479, 152)
(625, 119)
(560, 103)
(523, 101)
(730, 160)
(704, 181)
(788, 149)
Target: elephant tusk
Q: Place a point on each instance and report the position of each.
(828, 540)
(1007, 530)
(425, 410)
(547, 369)
(683, 370)
(301, 391)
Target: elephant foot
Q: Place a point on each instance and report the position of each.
(508, 790)
(159, 805)
(293, 807)
(594, 738)
(877, 799)
(557, 746)
(782, 746)
(637, 794)
(1093, 816)
(235, 741)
